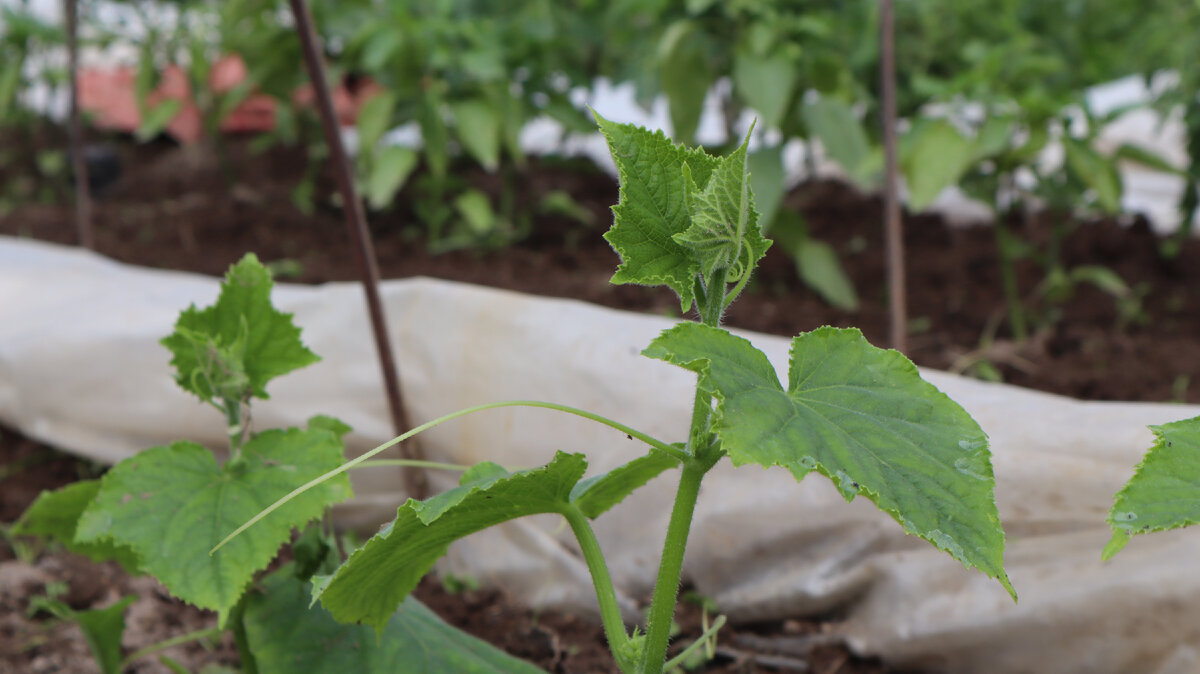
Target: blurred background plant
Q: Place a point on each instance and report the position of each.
(995, 98)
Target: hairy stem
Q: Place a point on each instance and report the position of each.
(606, 594)
(632, 432)
(666, 586)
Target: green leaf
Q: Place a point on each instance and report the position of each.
(1096, 172)
(1164, 492)
(236, 346)
(478, 128)
(286, 636)
(724, 228)
(390, 169)
(370, 585)
(686, 76)
(841, 134)
(1102, 278)
(934, 156)
(172, 504)
(1146, 157)
(765, 82)
(862, 417)
(10, 80)
(374, 120)
(596, 495)
(651, 208)
(767, 183)
(157, 118)
(102, 629)
(55, 515)
(819, 268)
(476, 210)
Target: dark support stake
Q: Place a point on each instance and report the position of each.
(894, 234)
(356, 221)
(83, 197)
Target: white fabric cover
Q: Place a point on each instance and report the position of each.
(80, 368)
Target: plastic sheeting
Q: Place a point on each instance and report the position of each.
(80, 368)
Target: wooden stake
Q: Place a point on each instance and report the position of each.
(356, 221)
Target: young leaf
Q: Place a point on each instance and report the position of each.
(819, 268)
(862, 417)
(390, 168)
(686, 75)
(477, 125)
(765, 82)
(767, 182)
(724, 228)
(651, 208)
(1164, 492)
(171, 505)
(595, 495)
(934, 156)
(374, 120)
(1096, 171)
(841, 134)
(102, 629)
(241, 341)
(286, 636)
(370, 585)
(55, 515)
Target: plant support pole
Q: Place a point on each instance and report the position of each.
(356, 222)
(83, 197)
(893, 231)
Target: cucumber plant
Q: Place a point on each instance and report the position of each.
(858, 415)
(161, 510)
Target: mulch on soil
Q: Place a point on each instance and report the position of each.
(200, 209)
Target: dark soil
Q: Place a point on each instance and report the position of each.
(199, 209)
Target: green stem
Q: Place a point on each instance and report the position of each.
(704, 639)
(412, 463)
(666, 586)
(207, 633)
(610, 610)
(632, 432)
(1008, 277)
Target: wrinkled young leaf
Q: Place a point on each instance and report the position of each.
(286, 636)
(651, 208)
(238, 344)
(862, 417)
(1164, 492)
(724, 229)
(370, 585)
(55, 515)
(172, 504)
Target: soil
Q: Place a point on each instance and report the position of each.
(200, 209)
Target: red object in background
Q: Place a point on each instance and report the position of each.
(109, 98)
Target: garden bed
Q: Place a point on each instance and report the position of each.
(200, 210)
